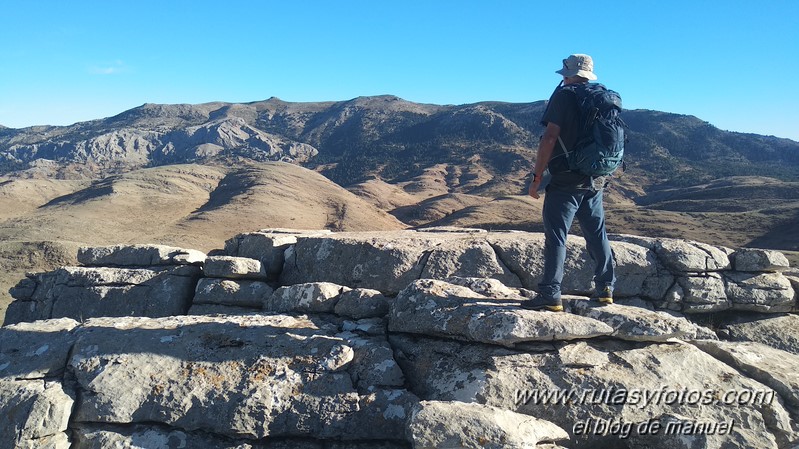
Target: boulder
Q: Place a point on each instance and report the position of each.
(319, 297)
(228, 292)
(447, 424)
(760, 292)
(35, 414)
(230, 267)
(759, 260)
(84, 292)
(438, 308)
(138, 256)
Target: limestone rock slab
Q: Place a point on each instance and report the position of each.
(368, 326)
(34, 414)
(683, 256)
(447, 424)
(442, 309)
(637, 267)
(468, 257)
(759, 260)
(778, 331)
(36, 350)
(523, 253)
(698, 294)
(491, 288)
(89, 436)
(381, 261)
(760, 292)
(561, 387)
(373, 362)
(267, 246)
(217, 309)
(771, 366)
(638, 273)
(308, 297)
(362, 303)
(388, 261)
(229, 292)
(84, 292)
(138, 256)
(794, 279)
(153, 437)
(230, 267)
(636, 323)
(250, 376)
(677, 431)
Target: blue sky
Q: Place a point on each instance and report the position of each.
(731, 63)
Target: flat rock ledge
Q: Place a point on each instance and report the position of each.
(320, 340)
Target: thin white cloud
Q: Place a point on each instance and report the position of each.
(116, 67)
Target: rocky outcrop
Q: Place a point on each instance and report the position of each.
(132, 143)
(406, 339)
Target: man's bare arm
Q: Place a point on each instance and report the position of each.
(545, 150)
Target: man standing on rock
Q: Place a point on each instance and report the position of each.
(569, 194)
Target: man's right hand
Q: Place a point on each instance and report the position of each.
(545, 148)
(533, 192)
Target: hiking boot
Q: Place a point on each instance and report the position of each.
(542, 303)
(605, 296)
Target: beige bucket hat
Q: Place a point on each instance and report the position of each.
(578, 65)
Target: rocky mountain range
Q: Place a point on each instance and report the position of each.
(382, 136)
(483, 150)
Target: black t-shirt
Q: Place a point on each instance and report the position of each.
(563, 111)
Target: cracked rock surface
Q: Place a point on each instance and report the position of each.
(388, 340)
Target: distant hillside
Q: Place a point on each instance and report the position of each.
(44, 221)
(670, 144)
(385, 137)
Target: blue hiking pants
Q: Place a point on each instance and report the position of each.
(560, 209)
